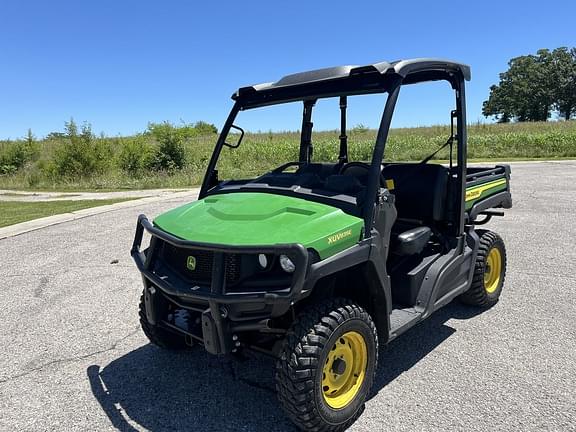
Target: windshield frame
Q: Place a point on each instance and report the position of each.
(349, 205)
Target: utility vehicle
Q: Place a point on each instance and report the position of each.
(317, 263)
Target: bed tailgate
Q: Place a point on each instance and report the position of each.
(487, 188)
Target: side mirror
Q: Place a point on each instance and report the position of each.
(235, 137)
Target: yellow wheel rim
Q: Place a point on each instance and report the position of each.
(344, 370)
(492, 270)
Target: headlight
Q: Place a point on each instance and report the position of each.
(287, 264)
(262, 260)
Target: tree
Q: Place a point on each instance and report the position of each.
(80, 154)
(204, 128)
(30, 138)
(533, 86)
(31, 145)
(563, 62)
(170, 153)
(498, 104)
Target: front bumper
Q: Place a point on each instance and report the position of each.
(214, 301)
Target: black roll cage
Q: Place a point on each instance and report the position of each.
(345, 81)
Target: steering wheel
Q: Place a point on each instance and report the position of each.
(361, 166)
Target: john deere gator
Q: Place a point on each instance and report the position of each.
(319, 262)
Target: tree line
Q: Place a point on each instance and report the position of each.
(78, 152)
(535, 87)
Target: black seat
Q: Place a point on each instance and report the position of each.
(420, 198)
(419, 190)
(411, 242)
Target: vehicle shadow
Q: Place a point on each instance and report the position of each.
(408, 349)
(165, 391)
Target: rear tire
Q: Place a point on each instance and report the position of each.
(489, 271)
(327, 366)
(157, 335)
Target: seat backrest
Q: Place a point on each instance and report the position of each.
(419, 189)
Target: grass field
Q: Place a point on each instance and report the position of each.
(260, 152)
(13, 212)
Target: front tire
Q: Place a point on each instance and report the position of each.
(327, 366)
(489, 271)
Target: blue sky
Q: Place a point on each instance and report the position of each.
(120, 64)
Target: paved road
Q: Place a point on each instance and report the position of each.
(73, 358)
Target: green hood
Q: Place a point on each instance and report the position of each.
(248, 219)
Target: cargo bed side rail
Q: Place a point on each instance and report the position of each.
(487, 188)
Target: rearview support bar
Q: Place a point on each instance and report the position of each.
(306, 147)
(343, 156)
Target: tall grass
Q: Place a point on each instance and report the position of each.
(128, 163)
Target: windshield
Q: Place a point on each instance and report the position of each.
(273, 135)
(304, 149)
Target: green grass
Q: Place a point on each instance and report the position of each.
(262, 151)
(13, 212)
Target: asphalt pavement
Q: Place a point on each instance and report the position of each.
(73, 358)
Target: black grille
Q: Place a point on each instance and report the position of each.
(177, 258)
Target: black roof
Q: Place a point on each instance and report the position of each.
(372, 78)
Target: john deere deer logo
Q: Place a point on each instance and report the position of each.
(191, 263)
